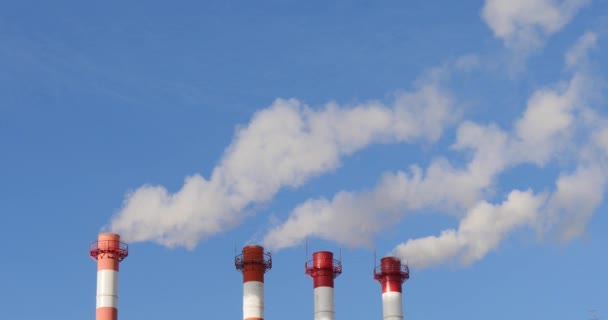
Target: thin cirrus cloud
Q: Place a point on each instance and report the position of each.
(545, 133)
(284, 145)
(524, 25)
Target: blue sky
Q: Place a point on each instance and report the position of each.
(469, 139)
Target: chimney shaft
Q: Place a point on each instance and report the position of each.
(323, 269)
(108, 251)
(391, 274)
(253, 263)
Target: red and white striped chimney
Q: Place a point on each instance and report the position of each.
(108, 251)
(323, 269)
(391, 274)
(253, 263)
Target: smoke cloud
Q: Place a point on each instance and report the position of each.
(288, 143)
(557, 126)
(283, 146)
(481, 230)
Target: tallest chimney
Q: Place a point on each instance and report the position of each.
(323, 269)
(253, 262)
(108, 251)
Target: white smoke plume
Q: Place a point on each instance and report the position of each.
(283, 146)
(557, 126)
(480, 231)
(538, 135)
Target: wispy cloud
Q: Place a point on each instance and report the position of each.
(577, 55)
(525, 25)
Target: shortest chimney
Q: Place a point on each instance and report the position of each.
(391, 274)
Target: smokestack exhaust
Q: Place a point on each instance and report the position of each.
(323, 269)
(108, 251)
(391, 274)
(253, 263)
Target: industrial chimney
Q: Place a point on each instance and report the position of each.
(253, 263)
(391, 274)
(323, 269)
(109, 252)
